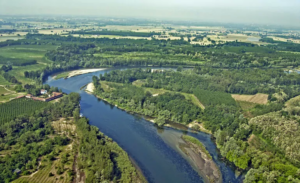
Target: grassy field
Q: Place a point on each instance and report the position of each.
(7, 98)
(3, 90)
(3, 81)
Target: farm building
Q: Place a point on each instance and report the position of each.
(55, 95)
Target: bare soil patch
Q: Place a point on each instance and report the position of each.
(259, 98)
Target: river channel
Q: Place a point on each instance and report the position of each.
(156, 151)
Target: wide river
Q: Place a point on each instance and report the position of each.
(154, 150)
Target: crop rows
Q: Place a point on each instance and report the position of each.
(10, 110)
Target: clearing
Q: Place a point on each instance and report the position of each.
(258, 98)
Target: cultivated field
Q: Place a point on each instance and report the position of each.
(135, 28)
(55, 31)
(32, 52)
(257, 99)
(239, 37)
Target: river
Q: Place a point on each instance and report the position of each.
(154, 150)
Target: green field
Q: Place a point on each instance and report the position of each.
(3, 90)
(31, 52)
(3, 81)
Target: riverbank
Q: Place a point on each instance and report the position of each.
(201, 159)
(90, 88)
(69, 74)
(83, 71)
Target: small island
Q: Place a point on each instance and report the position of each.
(201, 159)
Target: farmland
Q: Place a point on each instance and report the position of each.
(14, 108)
(24, 53)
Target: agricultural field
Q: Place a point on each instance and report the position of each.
(14, 108)
(135, 28)
(259, 98)
(238, 37)
(109, 36)
(11, 37)
(25, 52)
(55, 31)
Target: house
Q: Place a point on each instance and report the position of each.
(39, 99)
(43, 91)
(55, 95)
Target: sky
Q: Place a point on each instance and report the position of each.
(272, 12)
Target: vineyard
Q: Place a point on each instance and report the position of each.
(12, 109)
(17, 61)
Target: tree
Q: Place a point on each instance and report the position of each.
(179, 68)
(160, 121)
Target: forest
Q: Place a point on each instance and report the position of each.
(167, 106)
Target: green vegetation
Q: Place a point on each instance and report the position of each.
(99, 156)
(25, 139)
(167, 106)
(213, 98)
(3, 90)
(62, 75)
(16, 62)
(14, 108)
(197, 143)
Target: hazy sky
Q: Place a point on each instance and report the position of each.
(284, 12)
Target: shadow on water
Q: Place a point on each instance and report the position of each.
(153, 149)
